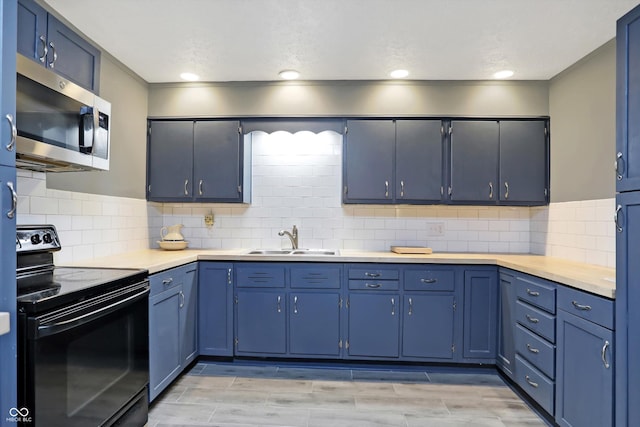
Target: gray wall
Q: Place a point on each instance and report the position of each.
(126, 176)
(583, 116)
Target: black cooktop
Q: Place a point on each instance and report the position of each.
(47, 290)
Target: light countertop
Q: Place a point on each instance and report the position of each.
(587, 277)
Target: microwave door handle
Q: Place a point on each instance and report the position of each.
(96, 125)
(58, 327)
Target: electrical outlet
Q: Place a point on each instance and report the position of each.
(435, 229)
(208, 219)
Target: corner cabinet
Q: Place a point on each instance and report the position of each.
(46, 40)
(480, 313)
(197, 161)
(173, 340)
(506, 352)
(215, 309)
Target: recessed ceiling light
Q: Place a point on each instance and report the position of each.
(399, 74)
(289, 74)
(504, 74)
(190, 77)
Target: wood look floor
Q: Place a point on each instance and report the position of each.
(241, 395)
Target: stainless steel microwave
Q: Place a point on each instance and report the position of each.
(60, 125)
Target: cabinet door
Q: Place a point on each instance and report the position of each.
(369, 150)
(627, 316)
(628, 102)
(32, 31)
(189, 316)
(523, 162)
(474, 161)
(215, 309)
(428, 322)
(165, 351)
(584, 380)
(170, 161)
(506, 325)
(261, 322)
(217, 173)
(71, 56)
(8, 83)
(418, 161)
(374, 325)
(480, 314)
(314, 324)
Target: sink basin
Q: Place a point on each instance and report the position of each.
(270, 252)
(313, 252)
(309, 252)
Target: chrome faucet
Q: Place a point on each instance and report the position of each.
(293, 236)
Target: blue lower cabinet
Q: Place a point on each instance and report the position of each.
(537, 385)
(428, 326)
(480, 313)
(261, 322)
(584, 380)
(189, 317)
(314, 324)
(374, 325)
(215, 309)
(506, 351)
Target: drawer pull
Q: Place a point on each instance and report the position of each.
(532, 350)
(373, 285)
(168, 281)
(533, 293)
(580, 306)
(372, 274)
(532, 319)
(531, 383)
(605, 362)
(428, 281)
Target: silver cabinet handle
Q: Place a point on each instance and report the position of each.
(295, 305)
(393, 306)
(616, 218)
(373, 285)
(410, 306)
(186, 191)
(386, 189)
(200, 188)
(372, 274)
(45, 49)
(506, 186)
(229, 276)
(428, 281)
(605, 362)
(401, 188)
(532, 350)
(533, 293)
(278, 304)
(168, 281)
(14, 201)
(14, 132)
(55, 55)
(619, 165)
(580, 306)
(532, 319)
(531, 383)
(182, 299)
(490, 190)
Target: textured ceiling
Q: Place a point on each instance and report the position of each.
(252, 40)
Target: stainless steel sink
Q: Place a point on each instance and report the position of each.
(309, 252)
(313, 252)
(270, 252)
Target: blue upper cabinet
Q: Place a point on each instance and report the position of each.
(524, 169)
(474, 161)
(49, 42)
(628, 102)
(369, 151)
(8, 84)
(201, 161)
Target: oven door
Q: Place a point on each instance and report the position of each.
(85, 363)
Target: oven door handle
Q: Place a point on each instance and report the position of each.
(57, 327)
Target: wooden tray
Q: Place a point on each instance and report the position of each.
(411, 250)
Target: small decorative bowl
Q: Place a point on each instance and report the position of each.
(173, 245)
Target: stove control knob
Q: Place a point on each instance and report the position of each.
(46, 237)
(35, 239)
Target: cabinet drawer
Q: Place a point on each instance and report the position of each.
(543, 324)
(537, 292)
(168, 279)
(313, 276)
(260, 276)
(429, 280)
(535, 384)
(588, 306)
(372, 285)
(374, 272)
(538, 351)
